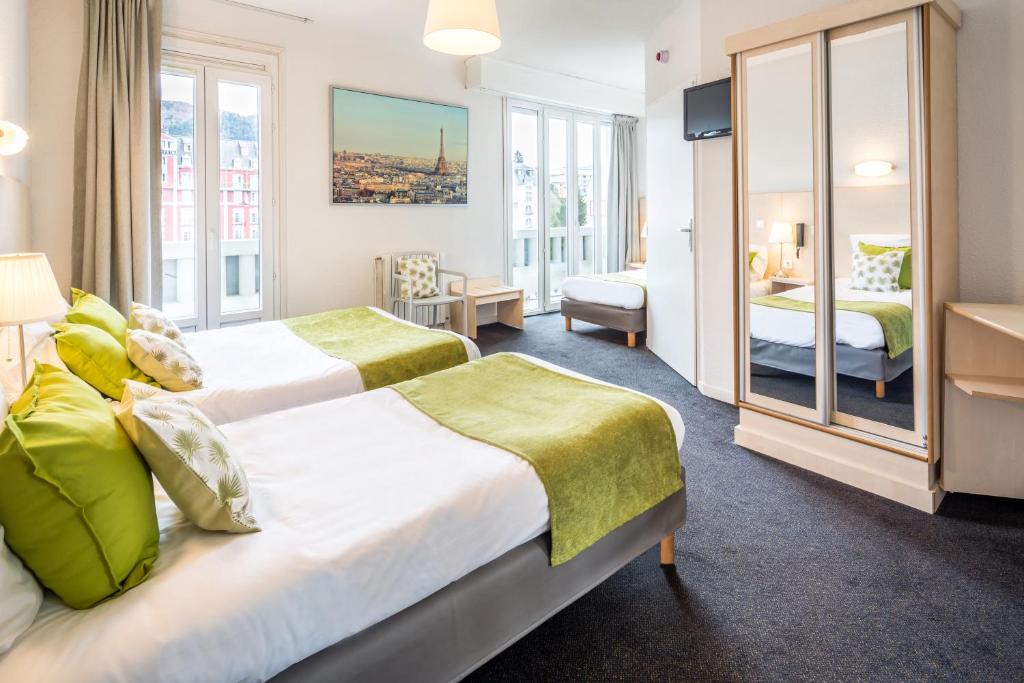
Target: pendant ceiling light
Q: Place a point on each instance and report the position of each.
(462, 27)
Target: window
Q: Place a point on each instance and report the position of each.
(557, 194)
(254, 216)
(217, 114)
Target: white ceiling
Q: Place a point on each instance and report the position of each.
(601, 40)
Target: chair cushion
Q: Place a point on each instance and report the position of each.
(76, 498)
(89, 309)
(423, 273)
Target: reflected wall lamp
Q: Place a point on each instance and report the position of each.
(462, 27)
(13, 138)
(873, 169)
(781, 234)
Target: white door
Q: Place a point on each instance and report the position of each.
(671, 309)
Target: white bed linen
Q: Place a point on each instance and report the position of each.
(367, 506)
(760, 288)
(796, 328)
(606, 293)
(256, 369)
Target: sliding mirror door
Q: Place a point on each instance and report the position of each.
(875, 228)
(780, 210)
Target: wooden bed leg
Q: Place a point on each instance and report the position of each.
(879, 389)
(668, 551)
(631, 340)
(568, 324)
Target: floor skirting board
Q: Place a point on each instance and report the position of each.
(896, 477)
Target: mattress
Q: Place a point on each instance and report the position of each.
(367, 507)
(261, 368)
(607, 293)
(796, 328)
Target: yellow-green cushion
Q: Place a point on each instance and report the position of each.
(906, 278)
(166, 361)
(96, 357)
(190, 457)
(76, 498)
(89, 309)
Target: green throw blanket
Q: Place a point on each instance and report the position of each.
(897, 320)
(626, 277)
(385, 350)
(604, 454)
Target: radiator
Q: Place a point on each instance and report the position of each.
(380, 294)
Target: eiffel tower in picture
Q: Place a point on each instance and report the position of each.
(441, 168)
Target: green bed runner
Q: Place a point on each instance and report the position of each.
(625, 278)
(897, 320)
(384, 350)
(604, 454)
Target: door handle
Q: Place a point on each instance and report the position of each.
(689, 231)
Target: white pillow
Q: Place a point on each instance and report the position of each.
(163, 359)
(20, 597)
(876, 273)
(879, 240)
(759, 266)
(143, 317)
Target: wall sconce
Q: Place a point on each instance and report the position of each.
(13, 138)
(873, 169)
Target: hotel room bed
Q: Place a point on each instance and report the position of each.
(615, 300)
(784, 339)
(371, 564)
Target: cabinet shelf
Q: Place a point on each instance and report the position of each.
(997, 388)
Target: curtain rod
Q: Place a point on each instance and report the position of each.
(265, 10)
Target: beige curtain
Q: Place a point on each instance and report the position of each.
(116, 228)
(624, 196)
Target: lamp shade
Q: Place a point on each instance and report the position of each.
(28, 290)
(12, 138)
(462, 27)
(782, 233)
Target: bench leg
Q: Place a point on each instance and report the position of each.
(568, 324)
(668, 551)
(879, 389)
(631, 339)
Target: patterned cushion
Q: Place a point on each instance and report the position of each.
(170, 364)
(190, 458)
(143, 317)
(423, 272)
(877, 273)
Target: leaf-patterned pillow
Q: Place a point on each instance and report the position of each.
(143, 317)
(422, 272)
(189, 456)
(170, 364)
(879, 273)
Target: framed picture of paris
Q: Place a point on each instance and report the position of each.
(392, 150)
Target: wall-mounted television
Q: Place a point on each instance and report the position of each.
(707, 110)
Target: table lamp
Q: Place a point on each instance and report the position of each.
(781, 234)
(28, 294)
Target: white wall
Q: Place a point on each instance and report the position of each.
(991, 139)
(14, 170)
(671, 322)
(328, 248)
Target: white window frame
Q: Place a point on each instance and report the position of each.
(214, 58)
(572, 116)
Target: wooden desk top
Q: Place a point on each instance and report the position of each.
(1005, 318)
(485, 287)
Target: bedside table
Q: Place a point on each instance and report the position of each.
(784, 284)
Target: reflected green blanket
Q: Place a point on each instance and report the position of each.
(897, 320)
(384, 350)
(626, 277)
(604, 454)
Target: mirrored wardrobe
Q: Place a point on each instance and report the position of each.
(846, 232)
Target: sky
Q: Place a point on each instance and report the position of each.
(375, 124)
(234, 97)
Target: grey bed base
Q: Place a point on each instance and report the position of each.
(452, 632)
(873, 364)
(621, 319)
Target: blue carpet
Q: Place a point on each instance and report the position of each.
(782, 574)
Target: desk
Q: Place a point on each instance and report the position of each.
(487, 290)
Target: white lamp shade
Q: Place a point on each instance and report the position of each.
(462, 27)
(12, 138)
(782, 233)
(28, 290)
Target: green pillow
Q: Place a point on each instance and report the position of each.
(906, 279)
(89, 309)
(76, 498)
(96, 357)
(750, 257)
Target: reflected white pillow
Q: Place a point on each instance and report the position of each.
(759, 265)
(893, 240)
(20, 597)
